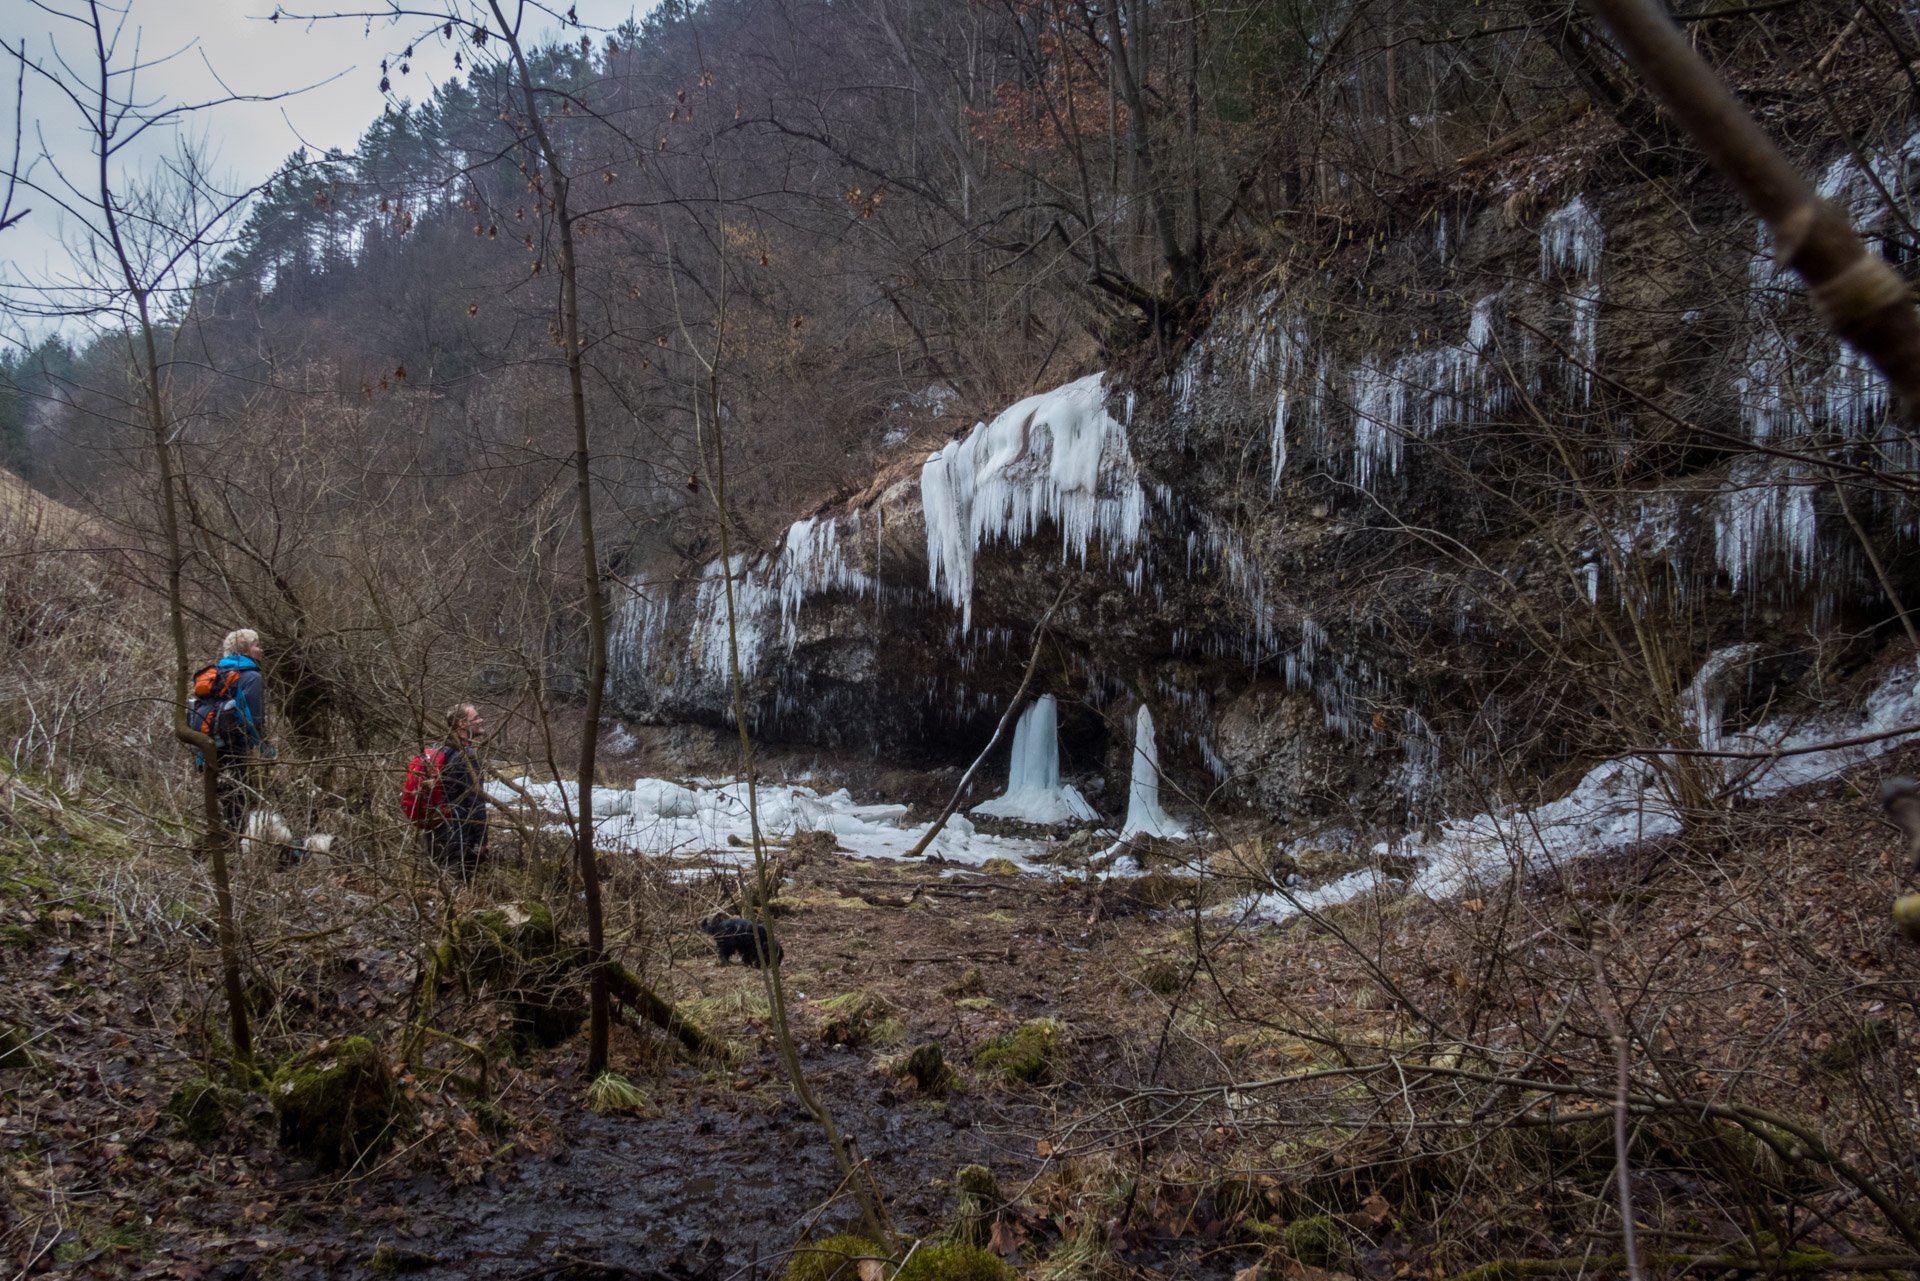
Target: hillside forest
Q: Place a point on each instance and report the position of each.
(1094, 639)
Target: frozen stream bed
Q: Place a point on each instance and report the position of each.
(1619, 803)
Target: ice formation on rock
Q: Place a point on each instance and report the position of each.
(1617, 804)
(1144, 815)
(1571, 239)
(813, 560)
(1764, 511)
(812, 563)
(1034, 792)
(1798, 378)
(1705, 703)
(1059, 457)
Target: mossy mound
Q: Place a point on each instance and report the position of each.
(201, 1109)
(339, 1103)
(1030, 1053)
(500, 942)
(850, 1019)
(927, 1065)
(1318, 1242)
(1000, 867)
(1161, 890)
(834, 1259)
(1159, 976)
(1906, 916)
(979, 1205)
(954, 1262)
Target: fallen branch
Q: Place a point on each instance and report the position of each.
(643, 1000)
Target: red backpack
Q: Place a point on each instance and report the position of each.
(421, 799)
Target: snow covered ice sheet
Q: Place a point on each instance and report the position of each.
(658, 817)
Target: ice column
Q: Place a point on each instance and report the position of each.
(1144, 815)
(1034, 792)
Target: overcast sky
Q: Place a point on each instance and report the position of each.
(334, 64)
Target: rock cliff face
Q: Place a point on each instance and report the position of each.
(1416, 520)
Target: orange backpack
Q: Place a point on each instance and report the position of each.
(213, 711)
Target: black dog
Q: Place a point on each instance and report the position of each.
(737, 936)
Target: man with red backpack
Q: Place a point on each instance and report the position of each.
(443, 795)
(229, 706)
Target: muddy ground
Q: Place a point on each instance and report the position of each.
(1758, 967)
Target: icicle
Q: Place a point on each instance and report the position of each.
(1765, 508)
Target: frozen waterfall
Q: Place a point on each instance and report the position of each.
(1034, 792)
(1144, 815)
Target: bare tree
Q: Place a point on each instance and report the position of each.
(142, 248)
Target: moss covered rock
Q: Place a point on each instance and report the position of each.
(1029, 1053)
(516, 952)
(201, 1109)
(953, 1262)
(834, 1259)
(339, 1103)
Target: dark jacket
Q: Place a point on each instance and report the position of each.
(248, 700)
(460, 789)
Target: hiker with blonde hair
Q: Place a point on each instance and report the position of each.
(229, 706)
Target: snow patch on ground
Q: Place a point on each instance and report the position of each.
(1617, 804)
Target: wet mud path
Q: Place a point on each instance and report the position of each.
(708, 1188)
